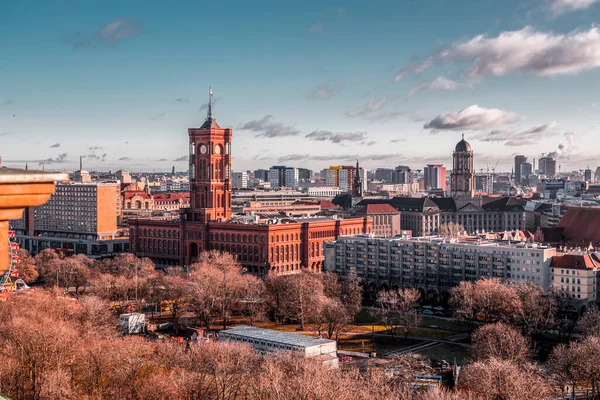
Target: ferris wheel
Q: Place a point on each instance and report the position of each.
(10, 281)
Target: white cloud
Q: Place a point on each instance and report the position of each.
(439, 83)
(559, 7)
(472, 118)
(525, 50)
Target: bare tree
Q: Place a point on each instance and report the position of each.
(500, 341)
(452, 230)
(486, 300)
(27, 267)
(494, 378)
(589, 323)
(538, 308)
(217, 286)
(396, 309)
(176, 291)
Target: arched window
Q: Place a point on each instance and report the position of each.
(138, 204)
(256, 254)
(287, 253)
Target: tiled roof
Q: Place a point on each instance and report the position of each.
(133, 193)
(583, 261)
(381, 209)
(504, 204)
(581, 225)
(172, 196)
(327, 204)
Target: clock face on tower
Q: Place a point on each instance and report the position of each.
(203, 149)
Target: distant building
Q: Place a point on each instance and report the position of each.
(576, 274)
(519, 160)
(262, 174)
(384, 174)
(386, 219)
(323, 192)
(463, 174)
(525, 172)
(240, 180)
(435, 264)
(435, 176)
(123, 176)
(305, 175)
(402, 175)
(79, 217)
(268, 340)
(547, 166)
(484, 183)
(587, 175)
(342, 176)
(281, 176)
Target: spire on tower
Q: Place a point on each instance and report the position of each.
(210, 103)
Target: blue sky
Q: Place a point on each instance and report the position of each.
(307, 83)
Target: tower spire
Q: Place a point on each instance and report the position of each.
(210, 103)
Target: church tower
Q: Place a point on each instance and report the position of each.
(357, 184)
(210, 170)
(463, 174)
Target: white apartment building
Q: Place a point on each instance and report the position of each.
(323, 192)
(268, 340)
(240, 180)
(435, 264)
(280, 176)
(171, 185)
(576, 274)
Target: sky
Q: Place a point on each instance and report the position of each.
(302, 83)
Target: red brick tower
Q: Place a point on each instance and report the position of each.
(210, 170)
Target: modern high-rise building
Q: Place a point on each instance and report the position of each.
(282, 176)
(305, 174)
(384, 174)
(342, 176)
(401, 175)
(240, 180)
(435, 176)
(547, 166)
(519, 160)
(484, 183)
(525, 172)
(588, 175)
(262, 174)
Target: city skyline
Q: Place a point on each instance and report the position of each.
(311, 85)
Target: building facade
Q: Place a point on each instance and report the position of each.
(434, 264)
(79, 217)
(434, 176)
(277, 246)
(240, 180)
(519, 160)
(283, 177)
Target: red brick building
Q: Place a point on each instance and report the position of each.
(279, 246)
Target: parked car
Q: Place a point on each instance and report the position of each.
(427, 312)
(344, 358)
(439, 308)
(427, 307)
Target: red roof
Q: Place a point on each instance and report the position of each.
(582, 261)
(172, 196)
(381, 209)
(327, 204)
(581, 225)
(132, 193)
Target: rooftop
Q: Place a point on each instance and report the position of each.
(293, 339)
(464, 241)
